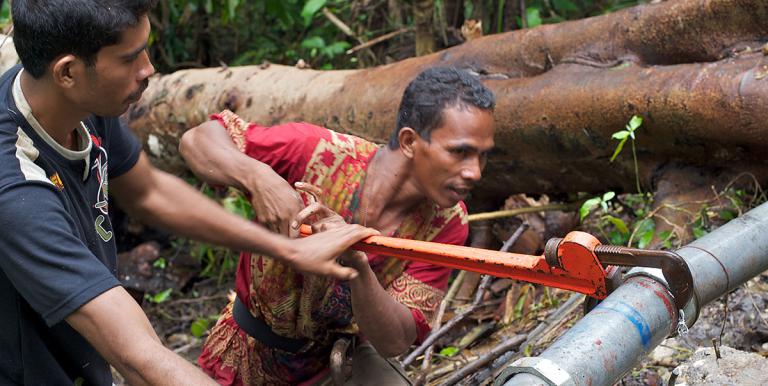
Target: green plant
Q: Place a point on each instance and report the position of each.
(199, 327)
(612, 227)
(160, 262)
(159, 297)
(449, 351)
(623, 136)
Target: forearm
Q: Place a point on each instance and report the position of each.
(157, 365)
(386, 323)
(213, 157)
(177, 207)
(117, 328)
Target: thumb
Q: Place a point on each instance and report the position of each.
(343, 273)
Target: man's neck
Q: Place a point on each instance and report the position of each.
(55, 113)
(389, 191)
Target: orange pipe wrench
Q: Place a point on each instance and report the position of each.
(577, 262)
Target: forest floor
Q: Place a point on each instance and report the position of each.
(532, 315)
(744, 327)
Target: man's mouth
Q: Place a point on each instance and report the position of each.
(134, 97)
(460, 191)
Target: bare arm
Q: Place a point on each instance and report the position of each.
(213, 157)
(117, 328)
(386, 323)
(166, 201)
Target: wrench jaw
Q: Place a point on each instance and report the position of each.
(573, 257)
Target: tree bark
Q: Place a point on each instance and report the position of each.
(694, 69)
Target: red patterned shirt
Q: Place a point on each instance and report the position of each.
(314, 307)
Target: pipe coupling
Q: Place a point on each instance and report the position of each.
(549, 372)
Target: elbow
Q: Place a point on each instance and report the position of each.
(393, 346)
(392, 349)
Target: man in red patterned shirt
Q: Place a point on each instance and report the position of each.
(282, 324)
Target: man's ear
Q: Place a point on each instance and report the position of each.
(408, 139)
(65, 70)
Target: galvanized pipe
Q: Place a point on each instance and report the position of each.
(634, 319)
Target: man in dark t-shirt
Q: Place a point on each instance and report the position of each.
(63, 315)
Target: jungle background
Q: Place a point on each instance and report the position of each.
(183, 284)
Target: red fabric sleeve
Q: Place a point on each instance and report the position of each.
(286, 148)
(422, 325)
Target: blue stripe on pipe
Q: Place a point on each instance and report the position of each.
(633, 316)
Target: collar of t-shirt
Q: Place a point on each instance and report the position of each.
(85, 141)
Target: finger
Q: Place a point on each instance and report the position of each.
(343, 273)
(313, 191)
(315, 209)
(353, 233)
(353, 258)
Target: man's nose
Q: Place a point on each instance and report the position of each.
(147, 68)
(472, 170)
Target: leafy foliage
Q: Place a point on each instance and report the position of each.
(203, 33)
(629, 133)
(159, 297)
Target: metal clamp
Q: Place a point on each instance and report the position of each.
(543, 368)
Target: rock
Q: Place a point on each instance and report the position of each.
(733, 368)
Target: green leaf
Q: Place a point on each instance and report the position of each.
(520, 304)
(79, 381)
(469, 7)
(533, 17)
(618, 149)
(727, 215)
(310, 9)
(634, 123)
(232, 7)
(159, 263)
(565, 5)
(645, 230)
(314, 42)
(199, 327)
(587, 206)
(162, 296)
(449, 351)
(238, 205)
(699, 232)
(620, 134)
(620, 225)
(608, 196)
(617, 238)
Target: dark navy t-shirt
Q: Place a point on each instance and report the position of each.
(57, 247)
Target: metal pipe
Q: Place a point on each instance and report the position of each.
(634, 319)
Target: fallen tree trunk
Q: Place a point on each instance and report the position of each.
(694, 69)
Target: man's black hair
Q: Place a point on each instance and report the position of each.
(433, 91)
(46, 29)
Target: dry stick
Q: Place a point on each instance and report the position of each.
(441, 311)
(517, 211)
(475, 304)
(378, 40)
(449, 368)
(557, 318)
(339, 24)
(507, 345)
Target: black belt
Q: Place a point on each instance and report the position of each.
(260, 330)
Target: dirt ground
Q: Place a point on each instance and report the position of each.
(744, 327)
